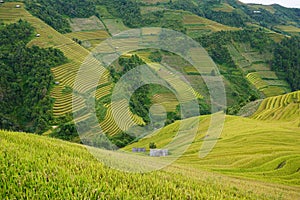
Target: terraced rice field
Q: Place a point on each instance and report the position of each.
(86, 24)
(194, 22)
(268, 83)
(264, 80)
(63, 102)
(109, 125)
(103, 91)
(264, 147)
(285, 108)
(89, 39)
(88, 35)
(183, 90)
(224, 7)
(289, 29)
(168, 101)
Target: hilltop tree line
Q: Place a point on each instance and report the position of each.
(240, 15)
(286, 61)
(56, 12)
(25, 80)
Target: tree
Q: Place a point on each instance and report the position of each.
(152, 145)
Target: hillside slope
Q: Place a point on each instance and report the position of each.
(34, 166)
(266, 149)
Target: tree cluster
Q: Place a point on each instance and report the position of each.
(286, 61)
(25, 80)
(53, 12)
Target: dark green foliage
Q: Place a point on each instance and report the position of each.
(66, 131)
(155, 56)
(121, 139)
(101, 109)
(264, 18)
(25, 80)
(130, 13)
(140, 103)
(152, 145)
(205, 108)
(164, 19)
(71, 8)
(187, 5)
(53, 11)
(287, 14)
(257, 39)
(172, 117)
(282, 15)
(49, 15)
(77, 41)
(128, 10)
(227, 18)
(287, 61)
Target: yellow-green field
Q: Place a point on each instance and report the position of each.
(269, 8)
(39, 167)
(265, 150)
(224, 7)
(253, 159)
(289, 29)
(268, 86)
(168, 100)
(284, 108)
(149, 9)
(89, 39)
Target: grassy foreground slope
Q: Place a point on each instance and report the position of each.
(38, 167)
